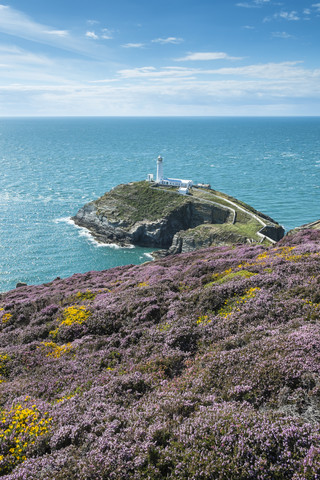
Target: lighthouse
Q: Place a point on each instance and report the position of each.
(159, 169)
(184, 186)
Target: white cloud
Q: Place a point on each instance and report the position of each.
(59, 33)
(248, 27)
(317, 6)
(16, 24)
(307, 11)
(31, 83)
(290, 16)
(106, 34)
(255, 4)
(207, 56)
(133, 45)
(92, 35)
(281, 35)
(246, 5)
(9, 49)
(174, 91)
(105, 80)
(164, 41)
(275, 71)
(282, 71)
(15, 57)
(153, 73)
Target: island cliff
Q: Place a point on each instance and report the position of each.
(140, 213)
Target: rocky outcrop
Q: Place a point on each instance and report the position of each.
(208, 235)
(158, 233)
(308, 226)
(274, 232)
(137, 214)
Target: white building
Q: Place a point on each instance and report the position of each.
(183, 185)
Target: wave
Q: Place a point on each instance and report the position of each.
(67, 220)
(84, 232)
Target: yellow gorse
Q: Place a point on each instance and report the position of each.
(203, 319)
(143, 284)
(87, 295)
(75, 314)
(4, 358)
(19, 429)
(5, 317)
(72, 315)
(233, 305)
(54, 350)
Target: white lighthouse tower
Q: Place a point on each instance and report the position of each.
(184, 186)
(159, 169)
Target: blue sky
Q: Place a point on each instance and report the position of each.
(166, 57)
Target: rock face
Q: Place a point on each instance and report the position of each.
(308, 226)
(190, 240)
(156, 233)
(141, 214)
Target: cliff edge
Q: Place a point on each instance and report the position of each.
(141, 213)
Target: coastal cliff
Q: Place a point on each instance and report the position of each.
(140, 213)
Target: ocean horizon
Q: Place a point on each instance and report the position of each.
(51, 166)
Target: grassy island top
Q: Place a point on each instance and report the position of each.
(139, 201)
(142, 201)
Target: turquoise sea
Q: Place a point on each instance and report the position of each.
(50, 167)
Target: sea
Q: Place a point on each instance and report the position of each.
(50, 167)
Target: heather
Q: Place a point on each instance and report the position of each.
(203, 366)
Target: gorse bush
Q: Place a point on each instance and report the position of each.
(20, 428)
(201, 366)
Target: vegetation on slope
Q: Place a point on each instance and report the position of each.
(198, 366)
(138, 201)
(224, 232)
(225, 200)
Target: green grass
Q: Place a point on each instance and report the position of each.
(226, 230)
(219, 197)
(230, 276)
(138, 201)
(209, 195)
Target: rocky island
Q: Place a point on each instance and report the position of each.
(153, 215)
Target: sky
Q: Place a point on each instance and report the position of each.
(160, 58)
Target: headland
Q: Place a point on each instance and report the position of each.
(156, 215)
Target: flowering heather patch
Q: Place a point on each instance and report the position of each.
(199, 366)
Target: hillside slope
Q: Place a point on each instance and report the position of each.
(199, 366)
